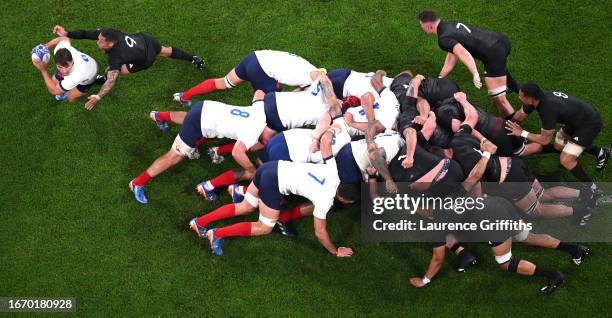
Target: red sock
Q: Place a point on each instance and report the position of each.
(295, 213)
(226, 149)
(205, 87)
(142, 179)
(165, 116)
(225, 212)
(238, 229)
(225, 178)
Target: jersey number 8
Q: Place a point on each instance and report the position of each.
(560, 94)
(238, 112)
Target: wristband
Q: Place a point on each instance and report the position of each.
(524, 133)
(486, 154)
(425, 280)
(96, 96)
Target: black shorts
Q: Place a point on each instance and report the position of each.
(153, 50)
(496, 62)
(518, 182)
(585, 134)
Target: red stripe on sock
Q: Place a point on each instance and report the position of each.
(225, 212)
(295, 213)
(226, 149)
(142, 179)
(238, 229)
(165, 116)
(205, 87)
(225, 178)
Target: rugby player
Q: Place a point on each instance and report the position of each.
(265, 69)
(204, 121)
(76, 71)
(126, 54)
(466, 42)
(319, 183)
(582, 123)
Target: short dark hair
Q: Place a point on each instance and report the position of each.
(428, 16)
(532, 90)
(349, 191)
(111, 35)
(63, 57)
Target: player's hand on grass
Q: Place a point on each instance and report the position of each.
(60, 31)
(513, 128)
(344, 252)
(92, 100)
(476, 80)
(40, 65)
(417, 282)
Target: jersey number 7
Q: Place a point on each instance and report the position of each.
(459, 24)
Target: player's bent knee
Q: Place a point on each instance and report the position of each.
(513, 264)
(268, 222)
(573, 149)
(251, 199)
(498, 92)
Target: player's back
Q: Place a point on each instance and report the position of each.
(316, 182)
(570, 110)
(130, 48)
(221, 120)
(476, 40)
(299, 109)
(285, 67)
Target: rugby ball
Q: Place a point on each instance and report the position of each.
(41, 53)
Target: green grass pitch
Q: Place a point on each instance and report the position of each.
(70, 227)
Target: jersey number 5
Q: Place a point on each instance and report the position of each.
(459, 24)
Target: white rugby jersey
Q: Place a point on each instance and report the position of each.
(358, 83)
(299, 141)
(219, 120)
(287, 68)
(299, 109)
(386, 110)
(390, 140)
(83, 71)
(316, 182)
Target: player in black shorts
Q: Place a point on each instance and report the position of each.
(126, 54)
(466, 43)
(582, 123)
(498, 210)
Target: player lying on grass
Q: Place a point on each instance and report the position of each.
(204, 121)
(126, 54)
(76, 71)
(265, 69)
(467, 42)
(582, 123)
(319, 183)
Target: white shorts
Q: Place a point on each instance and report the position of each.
(180, 147)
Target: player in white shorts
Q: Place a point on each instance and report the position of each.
(204, 121)
(265, 69)
(76, 71)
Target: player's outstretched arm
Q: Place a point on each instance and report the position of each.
(515, 129)
(83, 34)
(410, 135)
(373, 129)
(479, 169)
(53, 43)
(378, 158)
(52, 87)
(320, 227)
(449, 65)
(468, 60)
(111, 78)
(437, 259)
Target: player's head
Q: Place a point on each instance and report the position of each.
(63, 60)
(108, 38)
(348, 193)
(530, 94)
(429, 21)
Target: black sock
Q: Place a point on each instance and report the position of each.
(594, 150)
(512, 85)
(581, 175)
(549, 149)
(544, 273)
(567, 247)
(181, 55)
